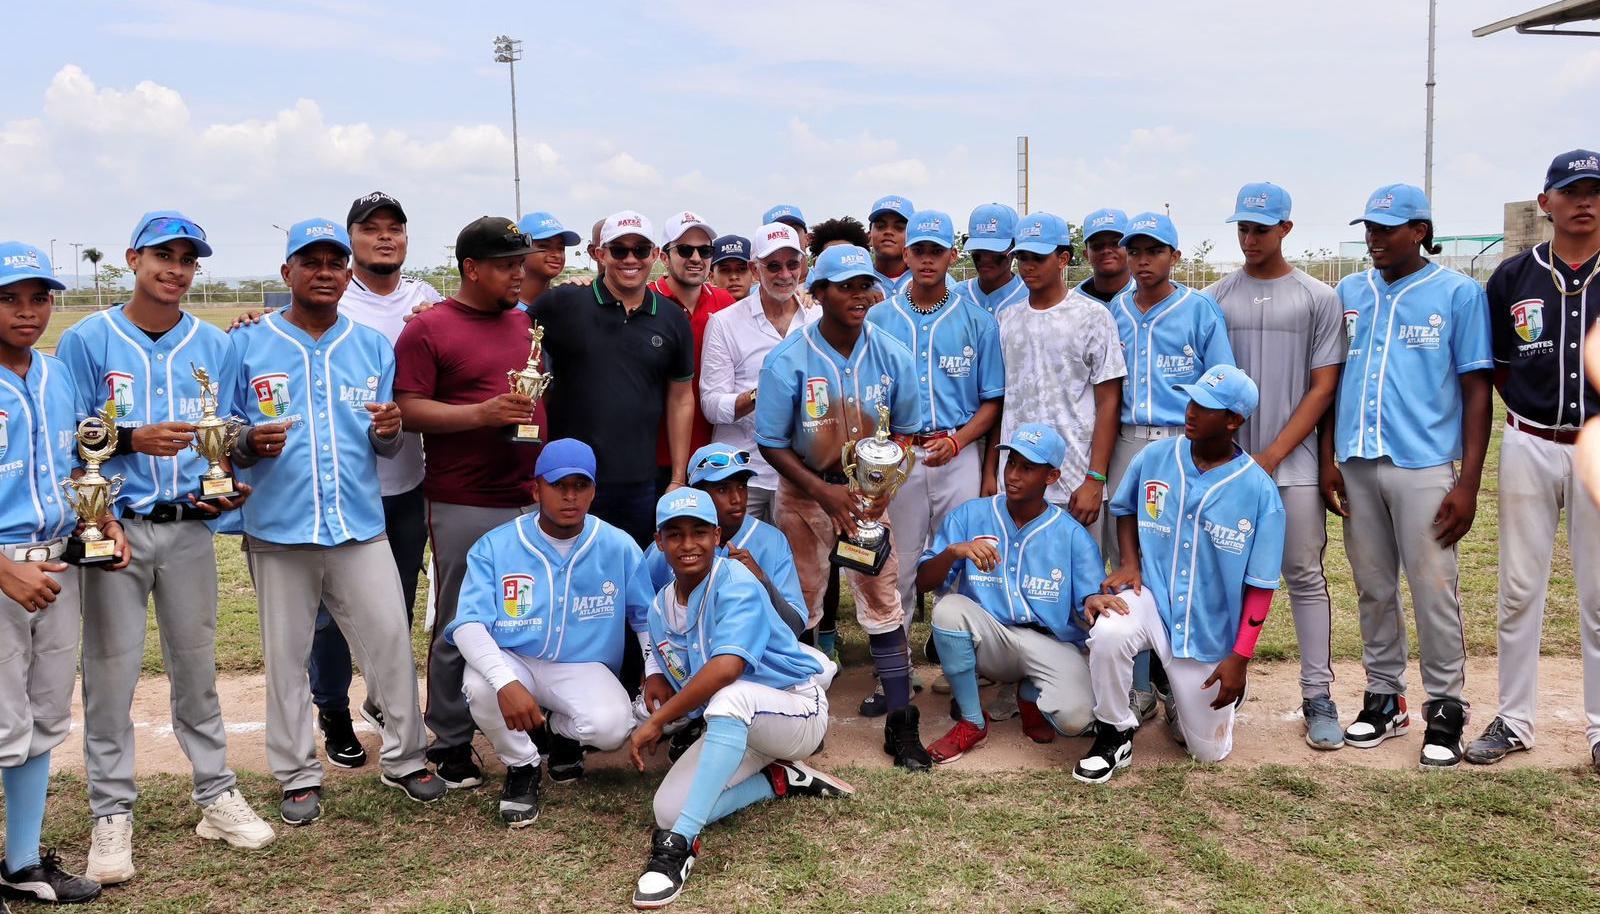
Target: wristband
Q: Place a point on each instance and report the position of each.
(1097, 477)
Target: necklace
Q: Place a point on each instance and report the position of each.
(1555, 275)
(936, 305)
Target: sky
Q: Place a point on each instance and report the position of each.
(246, 115)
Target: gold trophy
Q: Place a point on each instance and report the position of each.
(214, 439)
(531, 383)
(91, 495)
(875, 468)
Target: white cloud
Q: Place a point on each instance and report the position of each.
(625, 169)
(908, 174)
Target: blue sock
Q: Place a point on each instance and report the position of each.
(891, 657)
(828, 641)
(1027, 691)
(721, 750)
(753, 789)
(959, 658)
(25, 786)
(1141, 671)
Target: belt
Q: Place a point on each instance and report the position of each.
(37, 552)
(1152, 432)
(833, 477)
(928, 438)
(166, 513)
(1558, 435)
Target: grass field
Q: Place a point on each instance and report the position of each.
(61, 320)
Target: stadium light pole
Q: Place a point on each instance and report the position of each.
(76, 279)
(1427, 163)
(508, 51)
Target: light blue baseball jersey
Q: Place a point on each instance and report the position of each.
(1172, 343)
(1048, 567)
(322, 489)
(956, 350)
(1399, 395)
(39, 415)
(1000, 299)
(727, 614)
(1202, 538)
(812, 399)
(145, 381)
(1089, 284)
(542, 606)
(892, 287)
(765, 543)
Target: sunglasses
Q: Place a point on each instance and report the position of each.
(620, 251)
(687, 251)
(781, 266)
(159, 228)
(720, 460)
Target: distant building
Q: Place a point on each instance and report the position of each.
(1526, 226)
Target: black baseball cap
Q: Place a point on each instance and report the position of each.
(1572, 167)
(364, 206)
(488, 237)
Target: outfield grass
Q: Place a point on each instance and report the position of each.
(61, 320)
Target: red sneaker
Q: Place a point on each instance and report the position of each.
(1034, 724)
(962, 738)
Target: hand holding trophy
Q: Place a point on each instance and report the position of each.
(214, 438)
(91, 495)
(530, 382)
(875, 468)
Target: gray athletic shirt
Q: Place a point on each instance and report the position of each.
(1280, 330)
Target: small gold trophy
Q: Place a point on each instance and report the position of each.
(90, 496)
(214, 439)
(875, 468)
(531, 383)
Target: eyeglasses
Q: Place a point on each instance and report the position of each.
(689, 250)
(723, 459)
(620, 251)
(781, 266)
(168, 225)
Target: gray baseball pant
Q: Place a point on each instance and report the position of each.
(177, 564)
(1009, 653)
(1305, 540)
(1390, 528)
(453, 529)
(759, 503)
(38, 662)
(1536, 482)
(1131, 439)
(360, 586)
(920, 506)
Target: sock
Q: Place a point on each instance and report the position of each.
(893, 665)
(828, 641)
(1141, 672)
(1027, 691)
(721, 750)
(25, 786)
(753, 789)
(959, 658)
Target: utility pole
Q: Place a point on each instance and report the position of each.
(1022, 176)
(1427, 166)
(508, 51)
(76, 260)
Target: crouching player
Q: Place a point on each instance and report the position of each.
(1201, 529)
(1017, 569)
(717, 646)
(541, 624)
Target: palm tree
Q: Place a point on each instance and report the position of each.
(94, 256)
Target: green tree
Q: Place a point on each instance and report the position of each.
(94, 256)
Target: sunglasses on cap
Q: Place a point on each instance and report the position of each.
(723, 459)
(621, 251)
(171, 225)
(689, 250)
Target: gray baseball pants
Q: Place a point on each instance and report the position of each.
(1305, 540)
(38, 662)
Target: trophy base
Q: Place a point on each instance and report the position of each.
(220, 487)
(852, 556)
(93, 552)
(524, 434)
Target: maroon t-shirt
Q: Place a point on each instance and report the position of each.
(456, 354)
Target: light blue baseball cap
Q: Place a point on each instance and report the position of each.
(685, 502)
(1396, 204)
(894, 203)
(718, 461)
(931, 225)
(991, 227)
(540, 226)
(1224, 387)
(841, 262)
(163, 225)
(1151, 225)
(787, 213)
(1041, 233)
(316, 231)
(1263, 203)
(565, 457)
(1038, 443)
(1114, 221)
(20, 262)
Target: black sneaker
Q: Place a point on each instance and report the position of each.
(672, 856)
(301, 807)
(519, 798)
(1496, 743)
(685, 737)
(797, 779)
(339, 739)
(1112, 750)
(564, 756)
(1441, 742)
(1381, 717)
(902, 739)
(421, 785)
(47, 881)
(371, 714)
(457, 766)
(876, 704)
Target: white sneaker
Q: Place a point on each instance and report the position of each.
(111, 850)
(231, 819)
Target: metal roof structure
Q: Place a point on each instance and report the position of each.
(1547, 19)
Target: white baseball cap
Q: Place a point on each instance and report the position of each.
(626, 222)
(774, 237)
(680, 223)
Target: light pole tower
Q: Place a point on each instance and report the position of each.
(1022, 175)
(1427, 160)
(508, 51)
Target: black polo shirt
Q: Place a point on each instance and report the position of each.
(1538, 336)
(611, 373)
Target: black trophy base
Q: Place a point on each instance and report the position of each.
(93, 552)
(527, 433)
(218, 488)
(852, 556)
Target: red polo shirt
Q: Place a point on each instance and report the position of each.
(712, 300)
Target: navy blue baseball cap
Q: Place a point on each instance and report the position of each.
(991, 228)
(685, 502)
(1396, 204)
(564, 457)
(1114, 221)
(1224, 387)
(1263, 203)
(894, 203)
(20, 261)
(841, 262)
(163, 225)
(787, 213)
(1570, 167)
(316, 231)
(540, 226)
(718, 461)
(1038, 443)
(1154, 226)
(730, 247)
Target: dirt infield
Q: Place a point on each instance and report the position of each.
(1269, 729)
